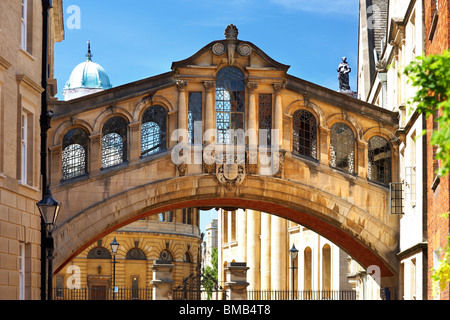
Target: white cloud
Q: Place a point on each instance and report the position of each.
(338, 7)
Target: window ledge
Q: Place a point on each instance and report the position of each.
(435, 183)
(27, 54)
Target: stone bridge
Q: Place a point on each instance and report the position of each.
(249, 136)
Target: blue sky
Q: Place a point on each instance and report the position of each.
(133, 40)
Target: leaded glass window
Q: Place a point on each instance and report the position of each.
(342, 147)
(99, 253)
(114, 142)
(265, 119)
(379, 160)
(230, 104)
(304, 139)
(194, 114)
(153, 130)
(74, 153)
(135, 254)
(166, 256)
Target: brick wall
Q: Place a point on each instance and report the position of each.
(437, 40)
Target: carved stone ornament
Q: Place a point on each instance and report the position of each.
(230, 174)
(381, 65)
(231, 32)
(209, 161)
(182, 169)
(244, 49)
(218, 49)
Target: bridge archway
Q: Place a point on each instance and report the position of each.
(366, 240)
(348, 207)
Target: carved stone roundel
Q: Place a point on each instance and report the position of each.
(218, 49)
(244, 49)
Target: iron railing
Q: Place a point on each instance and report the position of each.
(301, 295)
(102, 294)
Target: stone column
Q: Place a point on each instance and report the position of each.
(135, 143)
(253, 248)
(252, 123)
(242, 234)
(236, 281)
(209, 113)
(279, 253)
(162, 280)
(55, 165)
(95, 154)
(324, 156)
(182, 112)
(278, 115)
(265, 250)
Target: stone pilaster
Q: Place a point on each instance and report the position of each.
(162, 280)
(236, 281)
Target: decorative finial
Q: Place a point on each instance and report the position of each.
(89, 54)
(231, 32)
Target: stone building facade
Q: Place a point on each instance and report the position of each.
(263, 241)
(20, 108)
(173, 237)
(392, 34)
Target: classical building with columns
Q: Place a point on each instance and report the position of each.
(263, 241)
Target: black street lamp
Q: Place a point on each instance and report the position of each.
(49, 209)
(45, 125)
(293, 253)
(114, 247)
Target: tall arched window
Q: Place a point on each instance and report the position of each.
(326, 267)
(380, 160)
(304, 140)
(114, 142)
(74, 153)
(307, 276)
(230, 104)
(153, 130)
(342, 147)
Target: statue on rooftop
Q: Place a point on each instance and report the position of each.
(343, 75)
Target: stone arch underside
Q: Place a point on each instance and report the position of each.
(368, 240)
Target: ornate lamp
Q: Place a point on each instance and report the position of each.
(293, 253)
(49, 208)
(114, 246)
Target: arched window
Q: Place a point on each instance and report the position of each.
(187, 257)
(326, 267)
(342, 147)
(304, 140)
(166, 256)
(307, 276)
(99, 253)
(153, 130)
(114, 142)
(135, 254)
(74, 153)
(380, 160)
(230, 104)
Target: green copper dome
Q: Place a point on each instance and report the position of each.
(88, 75)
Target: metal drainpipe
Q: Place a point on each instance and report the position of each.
(45, 125)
